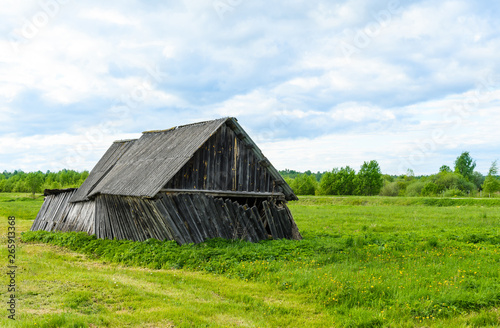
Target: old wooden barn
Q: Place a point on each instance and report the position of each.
(189, 183)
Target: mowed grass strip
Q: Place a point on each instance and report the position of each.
(60, 288)
(358, 266)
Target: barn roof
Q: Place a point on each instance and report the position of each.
(142, 167)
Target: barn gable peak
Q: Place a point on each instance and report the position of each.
(144, 166)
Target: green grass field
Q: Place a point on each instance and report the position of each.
(364, 262)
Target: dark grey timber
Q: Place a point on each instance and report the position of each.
(190, 183)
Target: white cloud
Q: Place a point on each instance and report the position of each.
(43, 152)
(358, 113)
(108, 16)
(6, 115)
(279, 69)
(254, 103)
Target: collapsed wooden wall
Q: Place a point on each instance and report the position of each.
(191, 218)
(57, 214)
(185, 218)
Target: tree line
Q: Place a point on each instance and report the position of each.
(463, 180)
(36, 182)
(344, 181)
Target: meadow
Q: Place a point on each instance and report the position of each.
(363, 262)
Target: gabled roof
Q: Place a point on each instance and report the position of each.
(143, 166)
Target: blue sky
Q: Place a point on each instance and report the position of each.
(317, 84)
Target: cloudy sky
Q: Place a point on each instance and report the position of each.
(317, 84)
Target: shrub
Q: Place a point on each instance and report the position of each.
(431, 189)
(465, 186)
(453, 193)
(447, 180)
(414, 189)
(303, 184)
(390, 189)
(491, 184)
(338, 182)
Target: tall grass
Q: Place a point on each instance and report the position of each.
(368, 261)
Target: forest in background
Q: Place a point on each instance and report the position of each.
(460, 181)
(36, 182)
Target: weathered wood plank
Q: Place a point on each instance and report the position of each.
(224, 174)
(240, 167)
(224, 193)
(195, 215)
(223, 221)
(205, 217)
(186, 214)
(180, 223)
(249, 224)
(285, 223)
(259, 227)
(112, 209)
(203, 176)
(277, 222)
(231, 218)
(209, 213)
(269, 219)
(217, 183)
(169, 222)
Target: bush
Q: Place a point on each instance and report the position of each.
(390, 189)
(465, 186)
(447, 180)
(453, 193)
(338, 182)
(414, 189)
(491, 184)
(303, 184)
(431, 189)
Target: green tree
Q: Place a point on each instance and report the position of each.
(326, 184)
(338, 182)
(390, 189)
(431, 189)
(464, 164)
(369, 179)
(346, 177)
(491, 183)
(445, 168)
(304, 184)
(477, 179)
(319, 175)
(33, 182)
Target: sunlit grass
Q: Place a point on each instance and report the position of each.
(373, 264)
(20, 205)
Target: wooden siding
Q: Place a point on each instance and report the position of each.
(58, 214)
(215, 155)
(225, 162)
(191, 218)
(183, 217)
